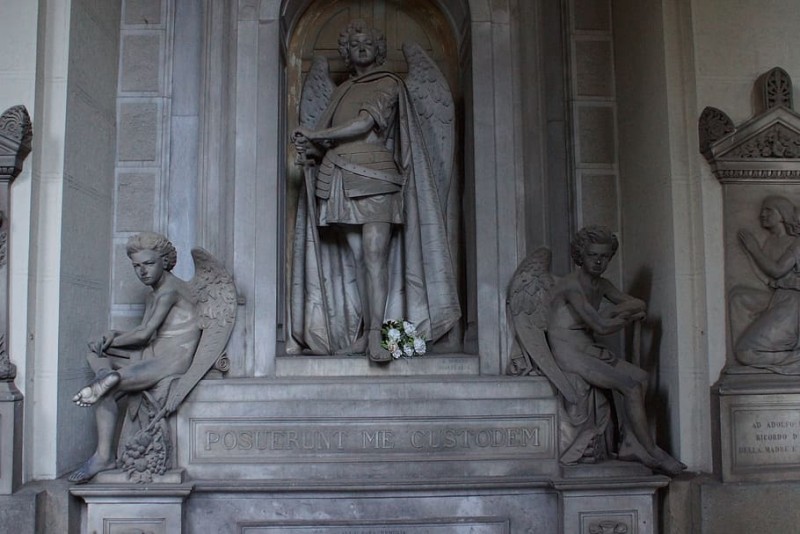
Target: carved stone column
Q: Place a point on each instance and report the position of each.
(15, 145)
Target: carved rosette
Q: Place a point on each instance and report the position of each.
(15, 141)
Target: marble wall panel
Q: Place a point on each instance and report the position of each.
(143, 12)
(140, 64)
(596, 139)
(135, 202)
(591, 15)
(138, 131)
(594, 68)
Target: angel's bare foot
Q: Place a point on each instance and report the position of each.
(359, 346)
(90, 468)
(667, 464)
(376, 352)
(94, 391)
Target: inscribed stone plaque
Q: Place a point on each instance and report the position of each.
(140, 65)
(596, 135)
(444, 526)
(137, 132)
(760, 437)
(259, 440)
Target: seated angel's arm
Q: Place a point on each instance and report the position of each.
(626, 306)
(141, 335)
(600, 324)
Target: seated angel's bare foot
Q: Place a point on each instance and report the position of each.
(90, 468)
(359, 346)
(376, 352)
(94, 391)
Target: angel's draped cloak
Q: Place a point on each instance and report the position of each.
(324, 305)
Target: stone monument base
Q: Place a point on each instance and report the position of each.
(759, 433)
(404, 454)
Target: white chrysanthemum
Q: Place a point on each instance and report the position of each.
(409, 328)
(419, 345)
(408, 350)
(397, 353)
(392, 347)
(393, 334)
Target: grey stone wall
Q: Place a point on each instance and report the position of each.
(87, 194)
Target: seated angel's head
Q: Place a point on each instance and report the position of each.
(362, 45)
(151, 254)
(589, 236)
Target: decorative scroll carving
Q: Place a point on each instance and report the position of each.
(776, 89)
(776, 142)
(713, 125)
(608, 527)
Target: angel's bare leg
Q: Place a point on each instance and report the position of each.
(354, 241)
(145, 374)
(103, 458)
(376, 258)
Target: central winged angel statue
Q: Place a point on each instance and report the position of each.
(371, 237)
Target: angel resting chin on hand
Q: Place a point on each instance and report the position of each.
(376, 176)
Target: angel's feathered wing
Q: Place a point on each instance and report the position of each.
(215, 296)
(527, 305)
(435, 111)
(316, 93)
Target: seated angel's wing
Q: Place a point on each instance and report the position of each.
(435, 111)
(527, 304)
(215, 296)
(316, 94)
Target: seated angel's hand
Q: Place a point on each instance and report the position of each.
(100, 345)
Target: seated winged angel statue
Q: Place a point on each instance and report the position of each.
(581, 369)
(183, 332)
(371, 238)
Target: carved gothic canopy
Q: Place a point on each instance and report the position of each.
(766, 147)
(15, 141)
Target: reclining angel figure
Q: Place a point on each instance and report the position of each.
(371, 237)
(555, 322)
(183, 333)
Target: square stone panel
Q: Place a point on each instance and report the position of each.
(139, 12)
(599, 199)
(593, 15)
(137, 132)
(594, 68)
(135, 202)
(596, 135)
(127, 288)
(140, 69)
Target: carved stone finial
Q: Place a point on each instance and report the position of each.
(15, 141)
(713, 125)
(775, 88)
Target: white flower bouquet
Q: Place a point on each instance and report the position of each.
(401, 340)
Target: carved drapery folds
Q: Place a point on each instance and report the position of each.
(764, 148)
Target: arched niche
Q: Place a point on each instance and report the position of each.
(316, 33)
(492, 217)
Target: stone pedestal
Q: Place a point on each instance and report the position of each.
(759, 438)
(118, 508)
(10, 437)
(610, 498)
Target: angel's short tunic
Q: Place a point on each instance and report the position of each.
(358, 181)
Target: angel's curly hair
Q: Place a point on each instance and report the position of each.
(361, 26)
(155, 242)
(592, 235)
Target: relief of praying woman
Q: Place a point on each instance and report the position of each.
(771, 338)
